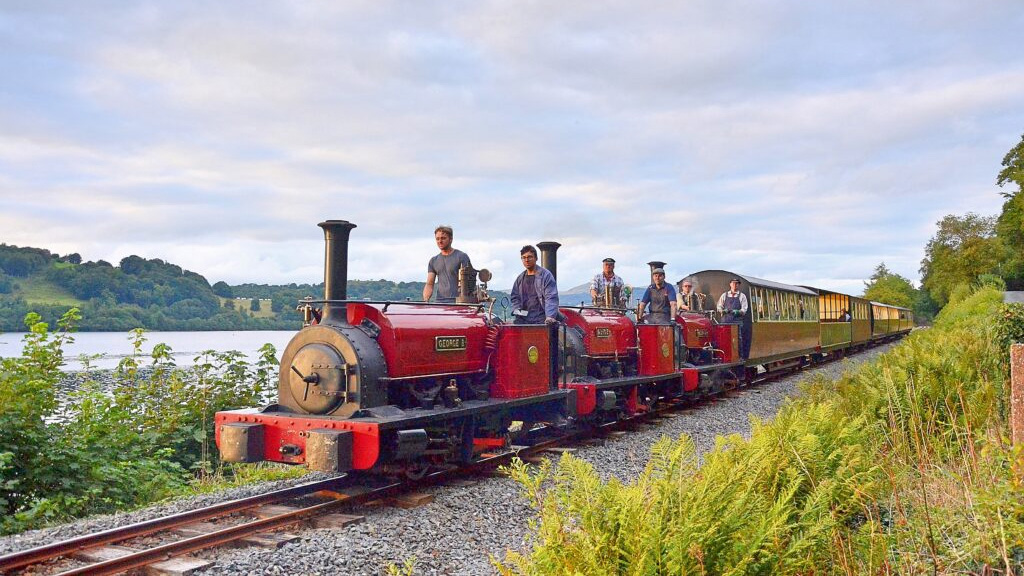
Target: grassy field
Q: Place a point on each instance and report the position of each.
(35, 290)
(244, 304)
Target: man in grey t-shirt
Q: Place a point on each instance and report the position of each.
(444, 267)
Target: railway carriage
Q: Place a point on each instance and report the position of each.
(888, 321)
(838, 333)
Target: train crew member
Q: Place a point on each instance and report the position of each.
(608, 279)
(687, 300)
(733, 306)
(534, 293)
(444, 267)
(661, 297)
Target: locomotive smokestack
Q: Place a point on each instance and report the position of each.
(549, 257)
(336, 269)
(655, 264)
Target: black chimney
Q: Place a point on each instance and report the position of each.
(548, 257)
(336, 269)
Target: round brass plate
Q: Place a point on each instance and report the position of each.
(532, 354)
(664, 349)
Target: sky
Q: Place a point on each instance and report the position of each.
(802, 142)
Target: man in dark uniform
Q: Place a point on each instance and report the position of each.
(662, 299)
(733, 307)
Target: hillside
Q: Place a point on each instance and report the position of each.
(153, 294)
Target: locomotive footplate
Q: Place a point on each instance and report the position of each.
(392, 418)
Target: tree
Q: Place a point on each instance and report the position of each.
(223, 290)
(1010, 226)
(1013, 168)
(255, 305)
(891, 288)
(963, 248)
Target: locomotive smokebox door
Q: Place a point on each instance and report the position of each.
(335, 370)
(318, 379)
(241, 442)
(329, 450)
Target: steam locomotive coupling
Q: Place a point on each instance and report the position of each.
(406, 387)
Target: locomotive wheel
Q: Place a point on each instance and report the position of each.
(416, 469)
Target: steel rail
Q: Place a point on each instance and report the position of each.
(47, 551)
(356, 496)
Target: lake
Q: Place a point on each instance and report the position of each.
(185, 346)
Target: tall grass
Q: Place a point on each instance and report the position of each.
(901, 466)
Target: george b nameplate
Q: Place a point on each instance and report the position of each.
(449, 343)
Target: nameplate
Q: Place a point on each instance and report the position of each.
(449, 343)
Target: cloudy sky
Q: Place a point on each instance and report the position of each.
(803, 142)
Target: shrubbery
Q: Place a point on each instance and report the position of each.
(900, 467)
(146, 437)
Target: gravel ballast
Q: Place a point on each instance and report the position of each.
(464, 526)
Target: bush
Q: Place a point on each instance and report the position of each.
(1010, 324)
(110, 447)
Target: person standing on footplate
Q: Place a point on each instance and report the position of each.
(733, 307)
(444, 267)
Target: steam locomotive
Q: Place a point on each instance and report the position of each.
(406, 387)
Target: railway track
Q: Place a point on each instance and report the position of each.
(330, 496)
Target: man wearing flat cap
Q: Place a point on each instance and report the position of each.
(661, 297)
(733, 306)
(607, 289)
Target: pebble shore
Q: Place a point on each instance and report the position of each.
(460, 531)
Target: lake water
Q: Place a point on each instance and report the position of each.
(185, 346)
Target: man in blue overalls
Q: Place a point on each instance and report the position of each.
(733, 307)
(661, 297)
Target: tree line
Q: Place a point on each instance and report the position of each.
(157, 295)
(966, 251)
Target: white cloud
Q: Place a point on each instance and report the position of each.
(789, 141)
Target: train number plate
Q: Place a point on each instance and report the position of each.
(449, 343)
(603, 332)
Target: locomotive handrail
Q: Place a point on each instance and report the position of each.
(478, 305)
(582, 307)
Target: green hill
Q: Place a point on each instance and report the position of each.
(155, 295)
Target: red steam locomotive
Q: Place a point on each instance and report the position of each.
(403, 387)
